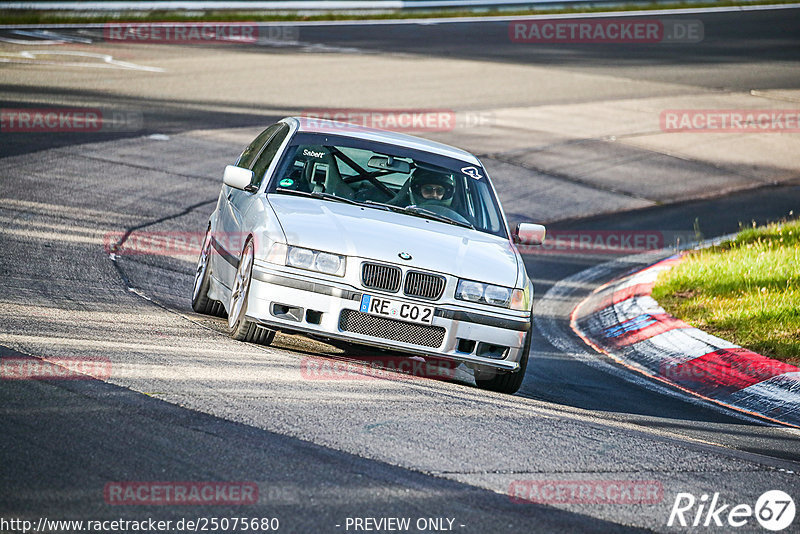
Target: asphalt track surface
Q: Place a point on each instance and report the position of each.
(185, 403)
(763, 39)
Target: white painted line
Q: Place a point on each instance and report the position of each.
(28, 57)
(779, 395)
(47, 34)
(457, 20)
(639, 305)
(27, 42)
(785, 387)
(684, 344)
(509, 18)
(200, 5)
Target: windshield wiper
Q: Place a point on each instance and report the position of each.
(437, 217)
(420, 212)
(323, 196)
(381, 206)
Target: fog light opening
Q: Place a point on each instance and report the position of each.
(467, 346)
(284, 311)
(488, 350)
(313, 317)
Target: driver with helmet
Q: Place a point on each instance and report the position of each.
(431, 188)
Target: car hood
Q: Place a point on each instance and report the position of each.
(382, 235)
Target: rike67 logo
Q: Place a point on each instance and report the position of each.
(774, 510)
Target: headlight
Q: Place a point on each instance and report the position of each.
(490, 294)
(314, 260)
(471, 291)
(496, 295)
(301, 257)
(328, 263)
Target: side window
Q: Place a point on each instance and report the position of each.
(490, 217)
(268, 154)
(251, 152)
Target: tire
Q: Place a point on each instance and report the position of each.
(239, 326)
(202, 281)
(509, 382)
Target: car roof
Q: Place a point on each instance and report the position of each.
(315, 125)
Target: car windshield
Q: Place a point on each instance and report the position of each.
(386, 176)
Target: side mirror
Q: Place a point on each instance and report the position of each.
(237, 177)
(529, 234)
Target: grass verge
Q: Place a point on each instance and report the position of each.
(746, 290)
(30, 17)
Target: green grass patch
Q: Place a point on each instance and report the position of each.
(746, 290)
(66, 17)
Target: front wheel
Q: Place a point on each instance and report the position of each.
(240, 327)
(508, 382)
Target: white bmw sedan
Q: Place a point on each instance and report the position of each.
(369, 237)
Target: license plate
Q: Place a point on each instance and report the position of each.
(395, 309)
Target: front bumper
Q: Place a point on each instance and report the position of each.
(299, 303)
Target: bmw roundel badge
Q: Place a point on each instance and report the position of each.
(404, 256)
